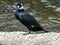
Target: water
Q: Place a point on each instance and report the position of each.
(44, 12)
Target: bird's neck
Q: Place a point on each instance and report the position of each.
(20, 10)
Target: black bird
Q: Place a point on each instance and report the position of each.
(26, 19)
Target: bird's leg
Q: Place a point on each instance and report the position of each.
(29, 32)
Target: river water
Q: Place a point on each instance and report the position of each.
(46, 12)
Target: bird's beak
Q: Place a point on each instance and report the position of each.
(16, 6)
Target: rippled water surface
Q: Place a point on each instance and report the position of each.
(45, 11)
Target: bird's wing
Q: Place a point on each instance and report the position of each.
(27, 18)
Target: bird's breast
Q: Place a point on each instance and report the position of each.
(18, 16)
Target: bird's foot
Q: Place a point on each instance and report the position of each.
(47, 31)
(27, 33)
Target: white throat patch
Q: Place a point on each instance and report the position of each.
(21, 7)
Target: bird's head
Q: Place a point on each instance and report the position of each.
(18, 6)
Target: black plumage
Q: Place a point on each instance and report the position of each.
(26, 19)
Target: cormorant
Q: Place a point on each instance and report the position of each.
(26, 19)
